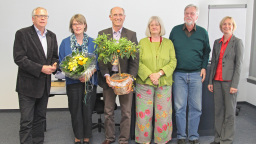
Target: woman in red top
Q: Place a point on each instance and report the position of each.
(225, 71)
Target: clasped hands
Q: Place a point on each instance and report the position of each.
(87, 77)
(154, 77)
(129, 89)
(49, 69)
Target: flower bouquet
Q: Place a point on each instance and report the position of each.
(78, 64)
(110, 50)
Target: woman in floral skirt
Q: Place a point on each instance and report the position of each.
(153, 88)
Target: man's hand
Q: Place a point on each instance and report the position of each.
(108, 80)
(129, 87)
(49, 69)
(210, 88)
(203, 74)
(233, 90)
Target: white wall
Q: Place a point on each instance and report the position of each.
(16, 14)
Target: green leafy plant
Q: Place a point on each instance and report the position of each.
(109, 48)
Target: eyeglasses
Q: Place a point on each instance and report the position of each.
(192, 13)
(42, 16)
(77, 24)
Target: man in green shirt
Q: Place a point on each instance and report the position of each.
(192, 50)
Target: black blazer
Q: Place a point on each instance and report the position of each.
(129, 66)
(231, 62)
(29, 55)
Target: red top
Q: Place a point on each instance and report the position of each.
(218, 74)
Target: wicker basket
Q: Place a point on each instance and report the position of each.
(120, 84)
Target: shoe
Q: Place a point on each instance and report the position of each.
(107, 142)
(214, 142)
(181, 141)
(78, 142)
(194, 141)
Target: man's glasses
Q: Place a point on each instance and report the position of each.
(42, 16)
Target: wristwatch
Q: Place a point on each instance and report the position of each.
(160, 73)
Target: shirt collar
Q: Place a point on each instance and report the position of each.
(222, 39)
(39, 32)
(184, 27)
(117, 31)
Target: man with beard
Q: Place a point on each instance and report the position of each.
(192, 50)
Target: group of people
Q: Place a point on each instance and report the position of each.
(180, 60)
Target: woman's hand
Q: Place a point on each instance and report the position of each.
(154, 77)
(233, 90)
(210, 88)
(156, 82)
(82, 79)
(87, 77)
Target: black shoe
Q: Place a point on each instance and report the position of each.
(86, 142)
(214, 142)
(194, 141)
(78, 142)
(181, 141)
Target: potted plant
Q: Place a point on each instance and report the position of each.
(110, 50)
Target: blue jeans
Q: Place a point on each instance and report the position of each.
(187, 89)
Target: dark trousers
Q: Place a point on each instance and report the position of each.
(81, 113)
(225, 108)
(33, 117)
(125, 124)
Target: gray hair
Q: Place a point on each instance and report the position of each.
(158, 20)
(192, 5)
(34, 11)
(115, 7)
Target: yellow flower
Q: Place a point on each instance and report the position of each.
(141, 127)
(158, 116)
(158, 138)
(80, 62)
(164, 114)
(85, 60)
(147, 125)
(149, 102)
(159, 95)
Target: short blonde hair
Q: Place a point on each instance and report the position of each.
(80, 19)
(158, 20)
(232, 20)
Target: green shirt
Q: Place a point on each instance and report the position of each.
(192, 52)
(153, 60)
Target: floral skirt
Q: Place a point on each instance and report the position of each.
(159, 100)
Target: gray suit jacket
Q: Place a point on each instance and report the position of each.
(129, 66)
(231, 62)
(29, 55)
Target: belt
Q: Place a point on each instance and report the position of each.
(114, 72)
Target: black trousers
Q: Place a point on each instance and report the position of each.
(81, 113)
(33, 117)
